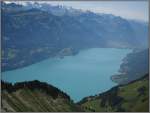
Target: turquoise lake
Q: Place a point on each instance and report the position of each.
(85, 74)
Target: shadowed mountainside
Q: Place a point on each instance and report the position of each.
(32, 33)
(134, 66)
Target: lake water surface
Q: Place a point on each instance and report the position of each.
(85, 74)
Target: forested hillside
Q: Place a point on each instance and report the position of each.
(130, 97)
(31, 33)
(134, 66)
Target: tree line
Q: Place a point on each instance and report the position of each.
(32, 85)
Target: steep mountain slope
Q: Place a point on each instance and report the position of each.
(31, 34)
(134, 66)
(130, 97)
(35, 96)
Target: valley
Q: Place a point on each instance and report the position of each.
(60, 58)
(36, 32)
(68, 73)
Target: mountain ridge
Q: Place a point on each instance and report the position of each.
(34, 32)
(35, 96)
(45, 97)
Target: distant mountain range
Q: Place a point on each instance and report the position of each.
(35, 96)
(34, 32)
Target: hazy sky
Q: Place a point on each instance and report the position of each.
(128, 9)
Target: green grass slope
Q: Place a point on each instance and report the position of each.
(39, 96)
(27, 97)
(130, 97)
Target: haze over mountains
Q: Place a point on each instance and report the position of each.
(37, 31)
(44, 31)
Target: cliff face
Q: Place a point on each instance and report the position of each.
(35, 96)
(130, 97)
